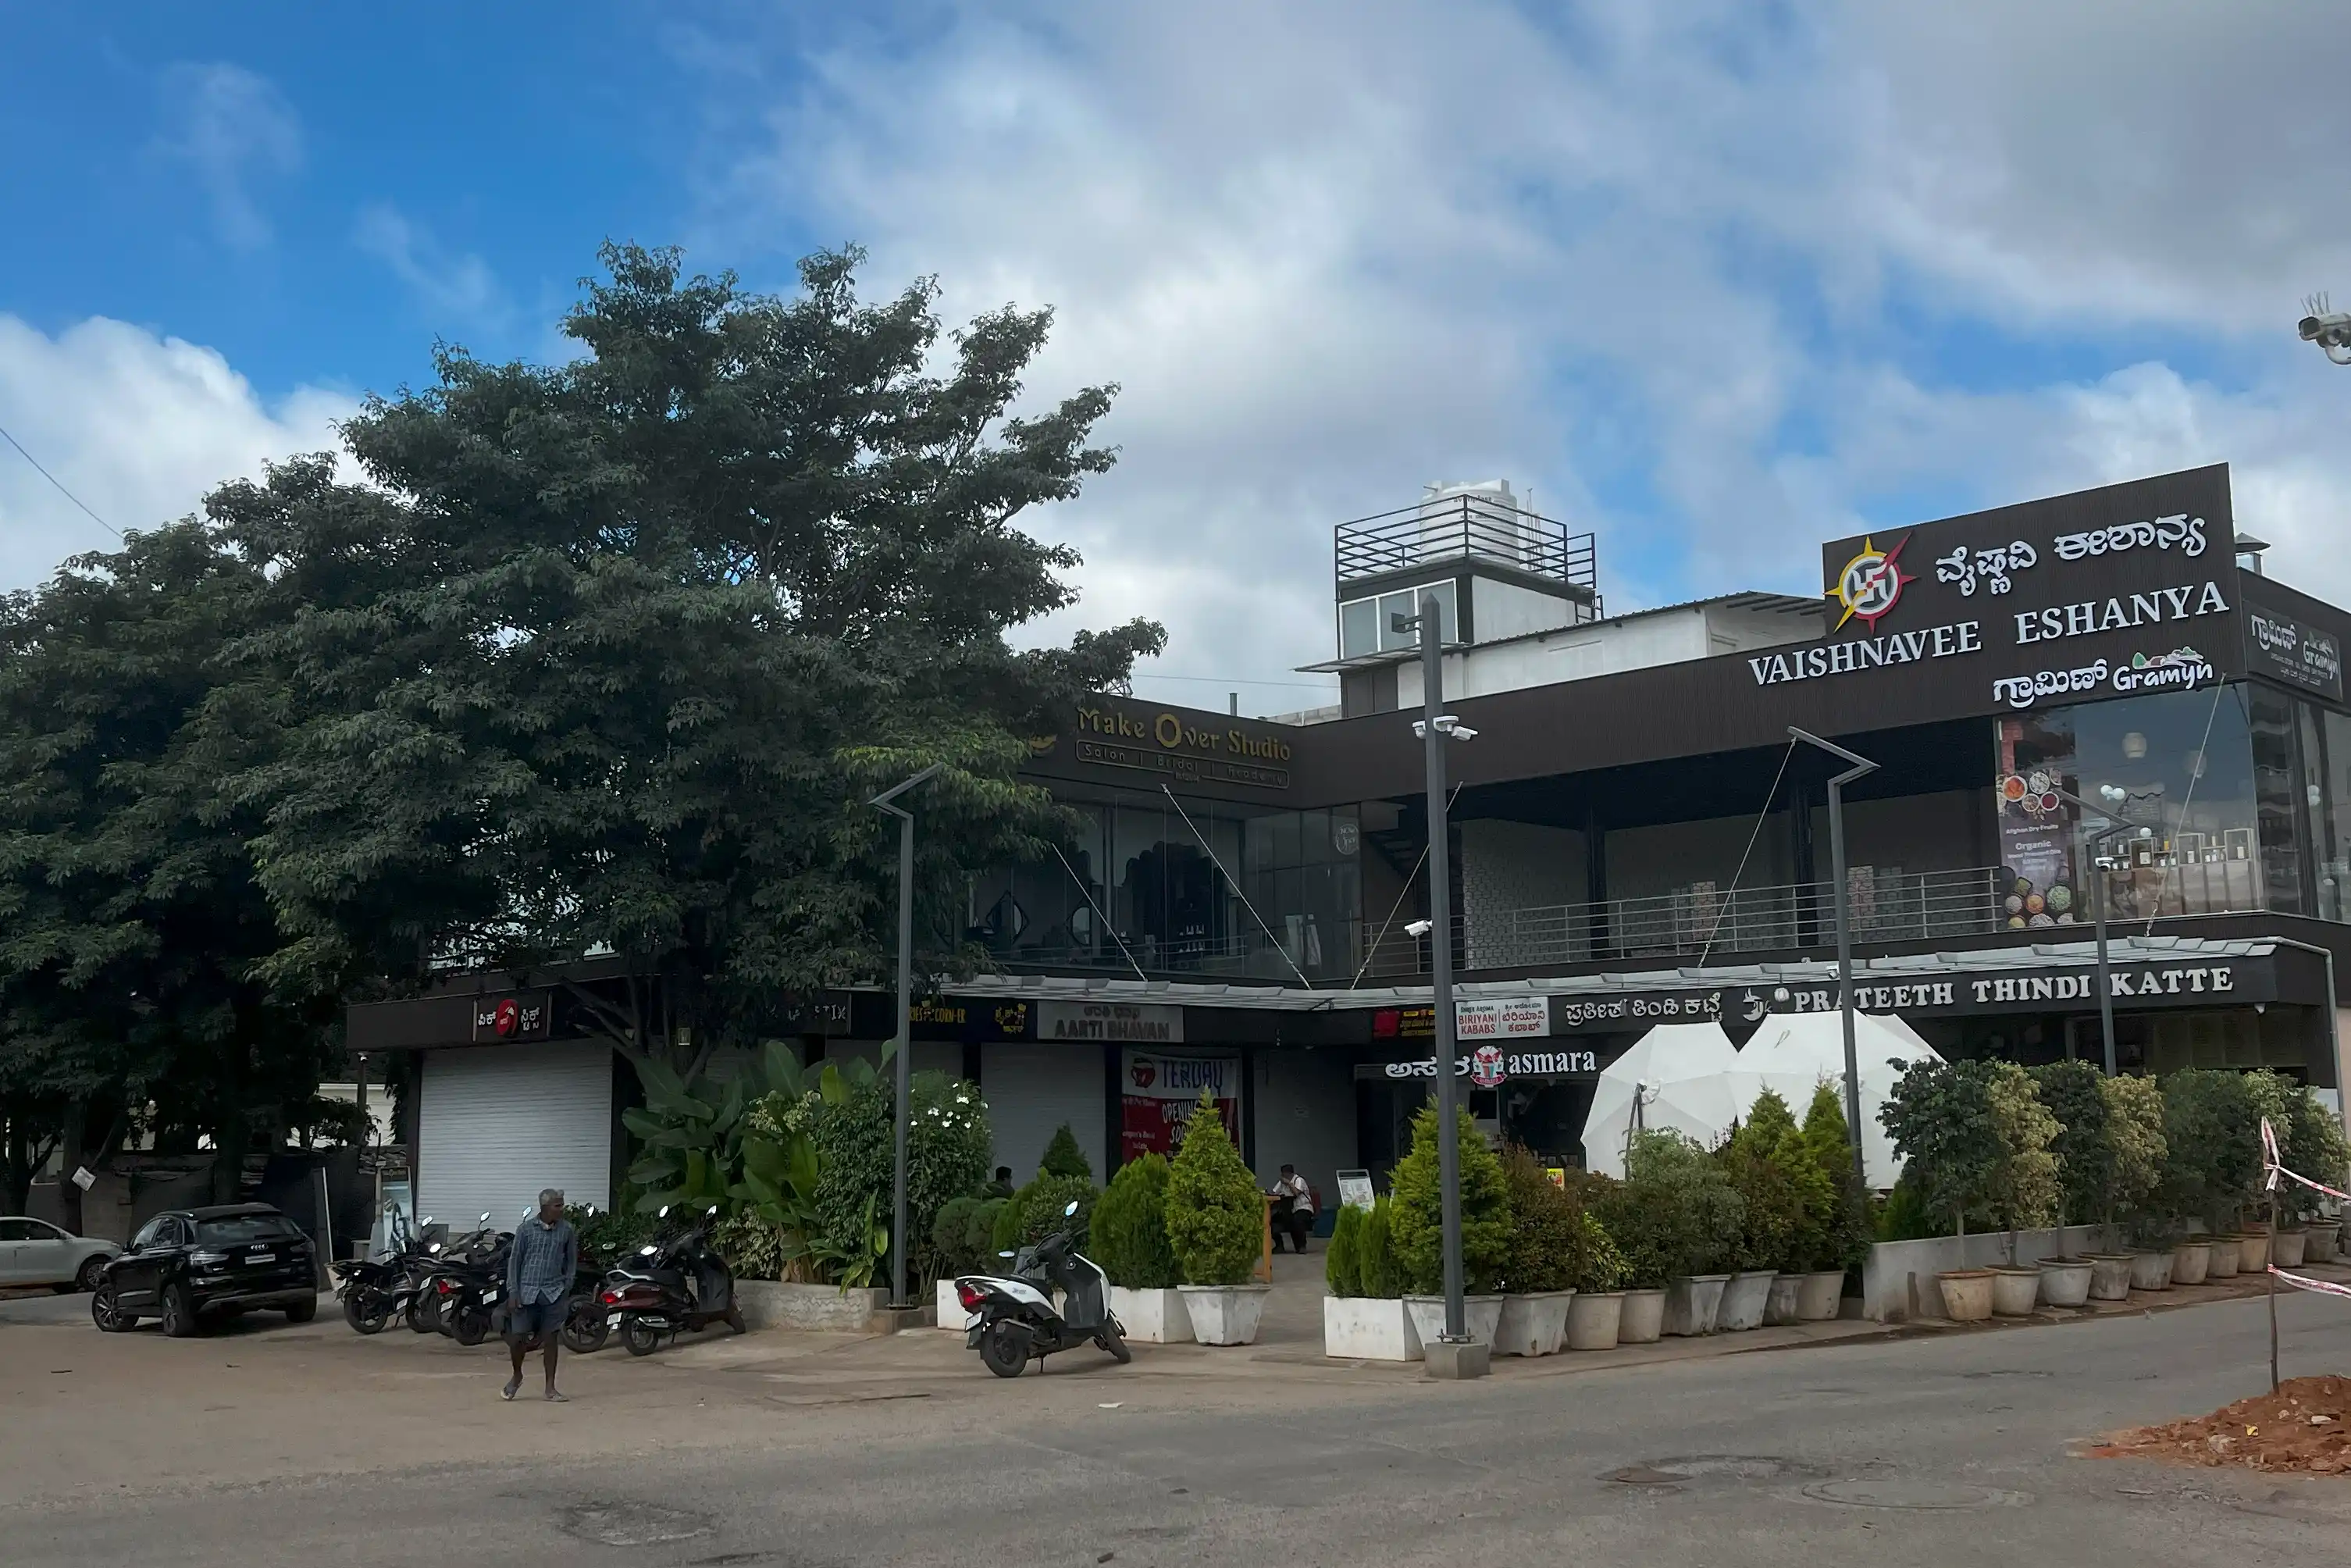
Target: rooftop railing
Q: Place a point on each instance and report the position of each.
(1465, 526)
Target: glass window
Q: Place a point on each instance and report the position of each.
(151, 1233)
(2183, 763)
(1359, 628)
(1406, 602)
(2277, 795)
(2329, 768)
(230, 1231)
(17, 1231)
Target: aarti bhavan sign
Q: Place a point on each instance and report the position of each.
(1110, 1023)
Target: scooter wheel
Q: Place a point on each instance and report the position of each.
(1114, 1342)
(469, 1325)
(1005, 1352)
(423, 1314)
(366, 1311)
(639, 1337)
(584, 1331)
(734, 1320)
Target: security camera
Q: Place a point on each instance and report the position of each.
(2112, 794)
(1446, 725)
(2330, 329)
(1419, 928)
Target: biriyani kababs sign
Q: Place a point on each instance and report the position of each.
(2108, 593)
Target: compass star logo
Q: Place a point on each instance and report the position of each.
(1871, 584)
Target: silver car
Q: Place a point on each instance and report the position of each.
(34, 1252)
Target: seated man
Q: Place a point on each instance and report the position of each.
(1293, 1209)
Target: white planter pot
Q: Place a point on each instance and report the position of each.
(1368, 1328)
(1151, 1317)
(2014, 1291)
(2066, 1281)
(2191, 1263)
(1693, 1302)
(1780, 1307)
(2226, 1250)
(1481, 1315)
(1744, 1297)
(2321, 1244)
(2253, 1252)
(1531, 1324)
(2110, 1276)
(1595, 1319)
(2150, 1271)
(1643, 1317)
(1225, 1314)
(1821, 1296)
(2289, 1247)
(951, 1316)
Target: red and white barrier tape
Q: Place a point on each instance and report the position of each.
(2303, 1282)
(2270, 1161)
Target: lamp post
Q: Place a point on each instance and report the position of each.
(1861, 765)
(2114, 798)
(1435, 727)
(885, 801)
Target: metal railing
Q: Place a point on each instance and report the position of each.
(1463, 527)
(1887, 906)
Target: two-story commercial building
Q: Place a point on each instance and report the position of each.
(1635, 839)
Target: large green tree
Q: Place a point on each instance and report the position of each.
(130, 921)
(612, 653)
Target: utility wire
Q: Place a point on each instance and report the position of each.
(53, 479)
(1373, 951)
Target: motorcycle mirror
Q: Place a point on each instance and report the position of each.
(712, 1211)
(664, 1213)
(646, 1251)
(1072, 1209)
(485, 1216)
(1004, 1254)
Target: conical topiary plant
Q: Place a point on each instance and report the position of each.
(1063, 1157)
(1416, 1228)
(1130, 1227)
(1216, 1216)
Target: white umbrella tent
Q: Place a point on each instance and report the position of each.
(1799, 1051)
(1678, 1075)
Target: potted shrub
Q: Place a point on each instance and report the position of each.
(2084, 1144)
(2212, 1129)
(1835, 1231)
(1130, 1242)
(1772, 1211)
(2133, 1109)
(1940, 1118)
(1215, 1222)
(1683, 1194)
(2025, 1186)
(960, 1244)
(1595, 1309)
(1642, 1253)
(1416, 1228)
(1364, 1316)
(1538, 1273)
(2316, 1148)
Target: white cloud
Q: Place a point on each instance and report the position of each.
(453, 286)
(139, 427)
(1689, 271)
(232, 128)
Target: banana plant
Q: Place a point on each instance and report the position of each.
(691, 1133)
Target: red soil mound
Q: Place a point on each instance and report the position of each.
(2305, 1427)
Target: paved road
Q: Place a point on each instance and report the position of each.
(271, 1446)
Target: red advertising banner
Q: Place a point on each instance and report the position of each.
(1159, 1093)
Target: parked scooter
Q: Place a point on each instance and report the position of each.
(1013, 1321)
(584, 1329)
(463, 1285)
(672, 1285)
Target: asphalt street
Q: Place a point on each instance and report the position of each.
(268, 1445)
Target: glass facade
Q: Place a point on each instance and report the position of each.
(1186, 885)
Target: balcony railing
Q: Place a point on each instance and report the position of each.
(1465, 527)
(1886, 907)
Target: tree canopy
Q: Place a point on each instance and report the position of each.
(605, 656)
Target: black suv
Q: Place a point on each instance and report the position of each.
(189, 1264)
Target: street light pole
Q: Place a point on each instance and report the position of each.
(905, 1024)
(2106, 985)
(1437, 726)
(1861, 765)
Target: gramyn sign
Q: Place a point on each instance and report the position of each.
(2108, 593)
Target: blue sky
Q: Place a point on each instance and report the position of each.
(1717, 280)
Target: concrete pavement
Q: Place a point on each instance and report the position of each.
(269, 1444)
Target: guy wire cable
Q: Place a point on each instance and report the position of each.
(1237, 888)
(1089, 895)
(2163, 881)
(1370, 952)
(1731, 892)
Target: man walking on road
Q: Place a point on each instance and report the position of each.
(540, 1270)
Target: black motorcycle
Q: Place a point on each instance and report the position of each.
(1013, 1321)
(377, 1289)
(673, 1285)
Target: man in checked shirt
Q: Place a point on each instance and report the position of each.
(540, 1270)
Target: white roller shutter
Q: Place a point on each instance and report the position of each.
(1031, 1090)
(497, 1124)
